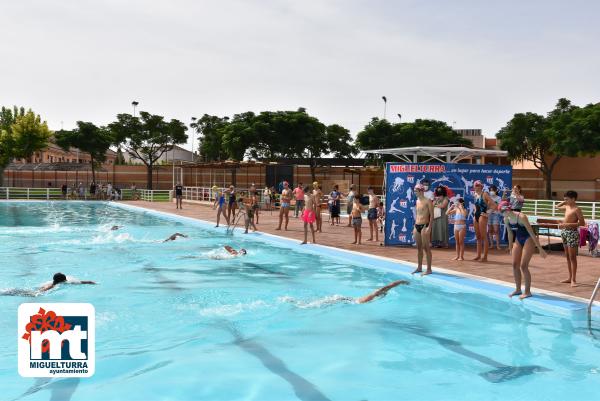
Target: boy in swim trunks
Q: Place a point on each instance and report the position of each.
(570, 233)
(309, 214)
(372, 214)
(422, 230)
(284, 210)
(356, 214)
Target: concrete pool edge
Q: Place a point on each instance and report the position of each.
(545, 300)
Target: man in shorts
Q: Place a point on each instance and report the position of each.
(570, 233)
(372, 214)
(299, 195)
(317, 196)
(284, 209)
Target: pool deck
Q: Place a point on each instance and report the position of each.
(546, 273)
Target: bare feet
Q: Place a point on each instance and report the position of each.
(353, 243)
(303, 243)
(278, 229)
(426, 272)
(370, 239)
(483, 260)
(526, 295)
(567, 281)
(477, 258)
(574, 284)
(455, 258)
(515, 292)
(461, 258)
(418, 270)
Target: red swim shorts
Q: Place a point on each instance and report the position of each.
(308, 216)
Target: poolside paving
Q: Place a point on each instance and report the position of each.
(546, 273)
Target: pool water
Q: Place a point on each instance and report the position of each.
(181, 321)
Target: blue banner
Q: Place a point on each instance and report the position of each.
(400, 200)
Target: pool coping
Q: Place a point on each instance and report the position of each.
(545, 300)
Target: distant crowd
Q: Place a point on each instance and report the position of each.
(100, 191)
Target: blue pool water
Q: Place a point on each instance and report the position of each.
(174, 323)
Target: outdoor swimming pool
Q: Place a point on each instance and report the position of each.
(174, 323)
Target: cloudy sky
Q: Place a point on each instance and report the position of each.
(475, 63)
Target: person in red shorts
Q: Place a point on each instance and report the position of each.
(309, 214)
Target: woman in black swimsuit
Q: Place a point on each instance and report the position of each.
(483, 202)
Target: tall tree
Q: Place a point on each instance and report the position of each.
(88, 138)
(567, 130)
(210, 131)
(147, 137)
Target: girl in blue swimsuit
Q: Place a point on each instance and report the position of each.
(521, 242)
(219, 204)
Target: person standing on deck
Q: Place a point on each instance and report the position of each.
(422, 230)
(309, 214)
(284, 207)
(220, 206)
(521, 242)
(439, 229)
(349, 204)
(299, 195)
(317, 197)
(372, 214)
(570, 233)
(356, 214)
(483, 202)
(231, 203)
(179, 196)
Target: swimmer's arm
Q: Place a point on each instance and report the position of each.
(451, 210)
(509, 232)
(46, 287)
(535, 239)
(87, 282)
(430, 207)
(561, 205)
(489, 201)
(230, 250)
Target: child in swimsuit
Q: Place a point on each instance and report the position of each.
(460, 226)
(522, 249)
(357, 220)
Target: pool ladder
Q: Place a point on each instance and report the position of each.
(235, 222)
(589, 308)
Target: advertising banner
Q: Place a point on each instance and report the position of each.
(401, 179)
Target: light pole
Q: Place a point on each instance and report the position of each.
(134, 104)
(193, 125)
(384, 105)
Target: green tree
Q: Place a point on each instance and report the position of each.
(88, 138)
(22, 133)
(381, 134)
(567, 130)
(210, 131)
(147, 137)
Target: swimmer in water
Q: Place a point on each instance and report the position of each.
(57, 279)
(115, 228)
(174, 237)
(382, 292)
(232, 251)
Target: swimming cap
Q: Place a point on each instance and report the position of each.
(59, 278)
(504, 206)
(419, 187)
(477, 184)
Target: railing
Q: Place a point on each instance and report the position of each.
(14, 193)
(547, 208)
(156, 195)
